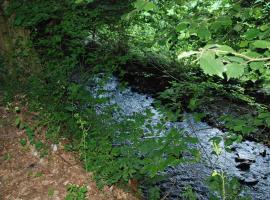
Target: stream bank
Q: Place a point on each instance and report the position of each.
(249, 161)
(152, 80)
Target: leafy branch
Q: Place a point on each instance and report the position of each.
(214, 60)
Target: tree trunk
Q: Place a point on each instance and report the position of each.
(20, 59)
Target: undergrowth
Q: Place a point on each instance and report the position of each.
(75, 41)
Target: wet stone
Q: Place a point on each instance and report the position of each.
(244, 156)
(250, 181)
(263, 153)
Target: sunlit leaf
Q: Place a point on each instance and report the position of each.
(256, 65)
(180, 27)
(203, 33)
(144, 5)
(210, 65)
(252, 33)
(235, 70)
(261, 44)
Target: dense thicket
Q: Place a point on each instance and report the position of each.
(198, 51)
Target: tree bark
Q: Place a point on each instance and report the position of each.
(20, 60)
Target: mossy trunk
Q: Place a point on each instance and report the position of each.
(20, 60)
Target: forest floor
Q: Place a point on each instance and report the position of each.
(24, 175)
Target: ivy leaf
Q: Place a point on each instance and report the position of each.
(235, 70)
(261, 44)
(210, 65)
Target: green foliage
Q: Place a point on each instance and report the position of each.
(143, 5)
(210, 65)
(224, 40)
(23, 142)
(224, 187)
(32, 138)
(50, 192)
(245, 125)
(7, 157)
(120, 150)
(229, 24)
(75, 192)
(188, 194)
(154, 193)
(114, 150)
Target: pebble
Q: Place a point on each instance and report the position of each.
(54, 147)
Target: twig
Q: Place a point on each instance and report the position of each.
(165, 196)
(71, 165)
(249, 59)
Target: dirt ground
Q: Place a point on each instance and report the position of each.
(24, 175)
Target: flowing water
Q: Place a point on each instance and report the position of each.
(249, 161)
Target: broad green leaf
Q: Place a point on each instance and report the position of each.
(238, 27)
(252, 33)
(210, 65)
(264, 27)
(224, 48)
(226, 20)
(265, 35)
(261, 44)
(17, 121)
(220, 47)
(210, 46)
(223, 21)
(182, 26)
(243, 44)
(139, 4)
(149, 6)
(256, 65)
(235, 70)
(203, 33)
(144, 5)
(234, 59)
(252, 54)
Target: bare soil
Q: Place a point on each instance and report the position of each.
(24, 175)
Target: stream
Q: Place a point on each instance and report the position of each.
(249, 161)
